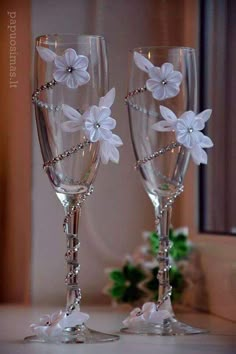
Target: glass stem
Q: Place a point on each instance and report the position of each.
(163, 254)
(73, 267)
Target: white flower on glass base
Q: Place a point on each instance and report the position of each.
(163, 81)
(149, 314)
(188, 131)
(70, 68)
(53, 325)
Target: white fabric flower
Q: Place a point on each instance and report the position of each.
(188, 131)
(53, 325)
(163, 81)
(49, 325)
(71, 69)
(148, 314)
(75, 121)
(98, 123)
(108, 149)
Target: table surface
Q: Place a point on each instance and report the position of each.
(15, 321)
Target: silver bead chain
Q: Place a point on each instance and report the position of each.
(66, 154)
(170, 201)
(72, 250)
(83, 196)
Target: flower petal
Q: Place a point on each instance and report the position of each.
(152, 84)
(76, 318)
(142, 62)
(155, 73)
(94, 135)
(108, 99)
(71, 113)
(205, 115)
(168, 115)
(60, 62)
(198, 124)
(109, 152)
(71, 126)
(175, 77)
(198, 155)
(108, 123)
(60, 75)
(70, 57)
(103, 114)
(171, 90)
(77, 78)
(187, 118)
(116, 140)
(184, 139)
(104, 134)
(46, 54)
(206, 142)
(163, 126)
(159, 93)
(81, 62)
(166, 70)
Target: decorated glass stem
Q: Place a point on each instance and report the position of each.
(74, 124)
(165, 132)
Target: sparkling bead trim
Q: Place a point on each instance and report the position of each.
(162, 256)
(71, 251)
(136, 107)
(38, 102)
(66, 154)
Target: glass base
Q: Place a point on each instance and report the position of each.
(169, 327)
(78, 334)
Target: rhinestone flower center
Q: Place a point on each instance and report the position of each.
(164, 82)
(69, 69)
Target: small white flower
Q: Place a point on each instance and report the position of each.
(75, 121)
(163, 81)
(49, 325)
(108, 149)
(71, 69)
(188, 131)
(148, 314)
(53, 325)
(98, 123)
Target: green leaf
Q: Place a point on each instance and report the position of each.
(154, 243)
(117, 291)
(132, 294)
(133, 273)
(117, 276)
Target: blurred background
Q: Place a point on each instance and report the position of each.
(32, 243)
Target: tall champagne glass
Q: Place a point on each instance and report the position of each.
(71, 75)
(162, 84)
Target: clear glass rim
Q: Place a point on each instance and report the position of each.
(48, 37)
(147, 48)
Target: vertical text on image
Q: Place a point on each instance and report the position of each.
(12, 49)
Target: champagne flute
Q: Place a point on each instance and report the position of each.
(161, 96)
(71, 77)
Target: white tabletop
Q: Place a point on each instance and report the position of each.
(15, 321)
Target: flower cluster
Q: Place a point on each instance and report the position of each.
(97, 125)
(164, 82)
(188, 131)
(147, 314)
(53, 325)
